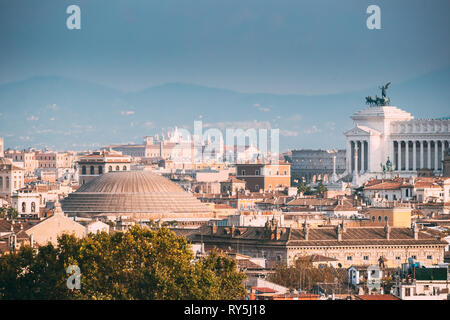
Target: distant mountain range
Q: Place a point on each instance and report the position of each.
(68, 114)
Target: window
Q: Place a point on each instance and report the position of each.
(83, 170)
(33, 207)
(117, 168)
(366, 258)
(373, 218)
(407, 292)
(100, 169)
(24, 206)
(386, 218)
(349, 258)
(278, 173)
(257, 188)
(414, 257)
(256, 172)
(243, 172)
(110, 169)
(379, 218)
(397, 258)
(124, 168)
(92, 170)
(429, 257)
(285, 172)
(7, 182)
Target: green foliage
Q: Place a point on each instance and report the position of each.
(12, 213)
(303, 275)
(138, 264)
(321, 189)
(301, 188)
(3, 212)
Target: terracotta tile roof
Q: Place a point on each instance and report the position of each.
(312, 202)
(387, 185)
(264, 290)
(427, 185)
(247, 264)
(5, 226)
(376, 297)
(320, 258)
(223, 206)
(323, 236)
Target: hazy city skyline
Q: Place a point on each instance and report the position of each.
(233, 64)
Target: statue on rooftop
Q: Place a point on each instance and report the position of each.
(377, 101)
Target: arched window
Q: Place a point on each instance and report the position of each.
(373, 218)
(33, 207)
(92, 170)
(100, 169)
(24, 206)
(379, 218)
(7, 182)
(83, 170)
(124, 168)
(117, 168)
(386, 218)
(110, 169)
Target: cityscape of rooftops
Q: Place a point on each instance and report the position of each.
(228, 154)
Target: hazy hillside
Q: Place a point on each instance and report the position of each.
(63, 113)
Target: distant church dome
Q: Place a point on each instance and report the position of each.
(136, 194)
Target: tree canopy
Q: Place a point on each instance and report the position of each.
(303, 275)
(137, 264)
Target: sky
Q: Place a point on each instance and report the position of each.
(280, 46)
(266, 47)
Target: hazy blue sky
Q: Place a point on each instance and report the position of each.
(278, 46)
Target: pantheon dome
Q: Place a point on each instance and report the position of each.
(136, 194)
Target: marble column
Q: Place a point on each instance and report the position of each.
(436, 162)
(442, 154)
(349, 156)
(414, 167)
(407, 155)
(363, 158)
(429, 154)
(421, 154)
(399, 156)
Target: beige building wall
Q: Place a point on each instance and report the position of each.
(369, 255)
(51, 228)
(395, 217)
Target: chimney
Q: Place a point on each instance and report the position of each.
(306, 231)
(339, 232)
(415, 230)
(387, 231)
